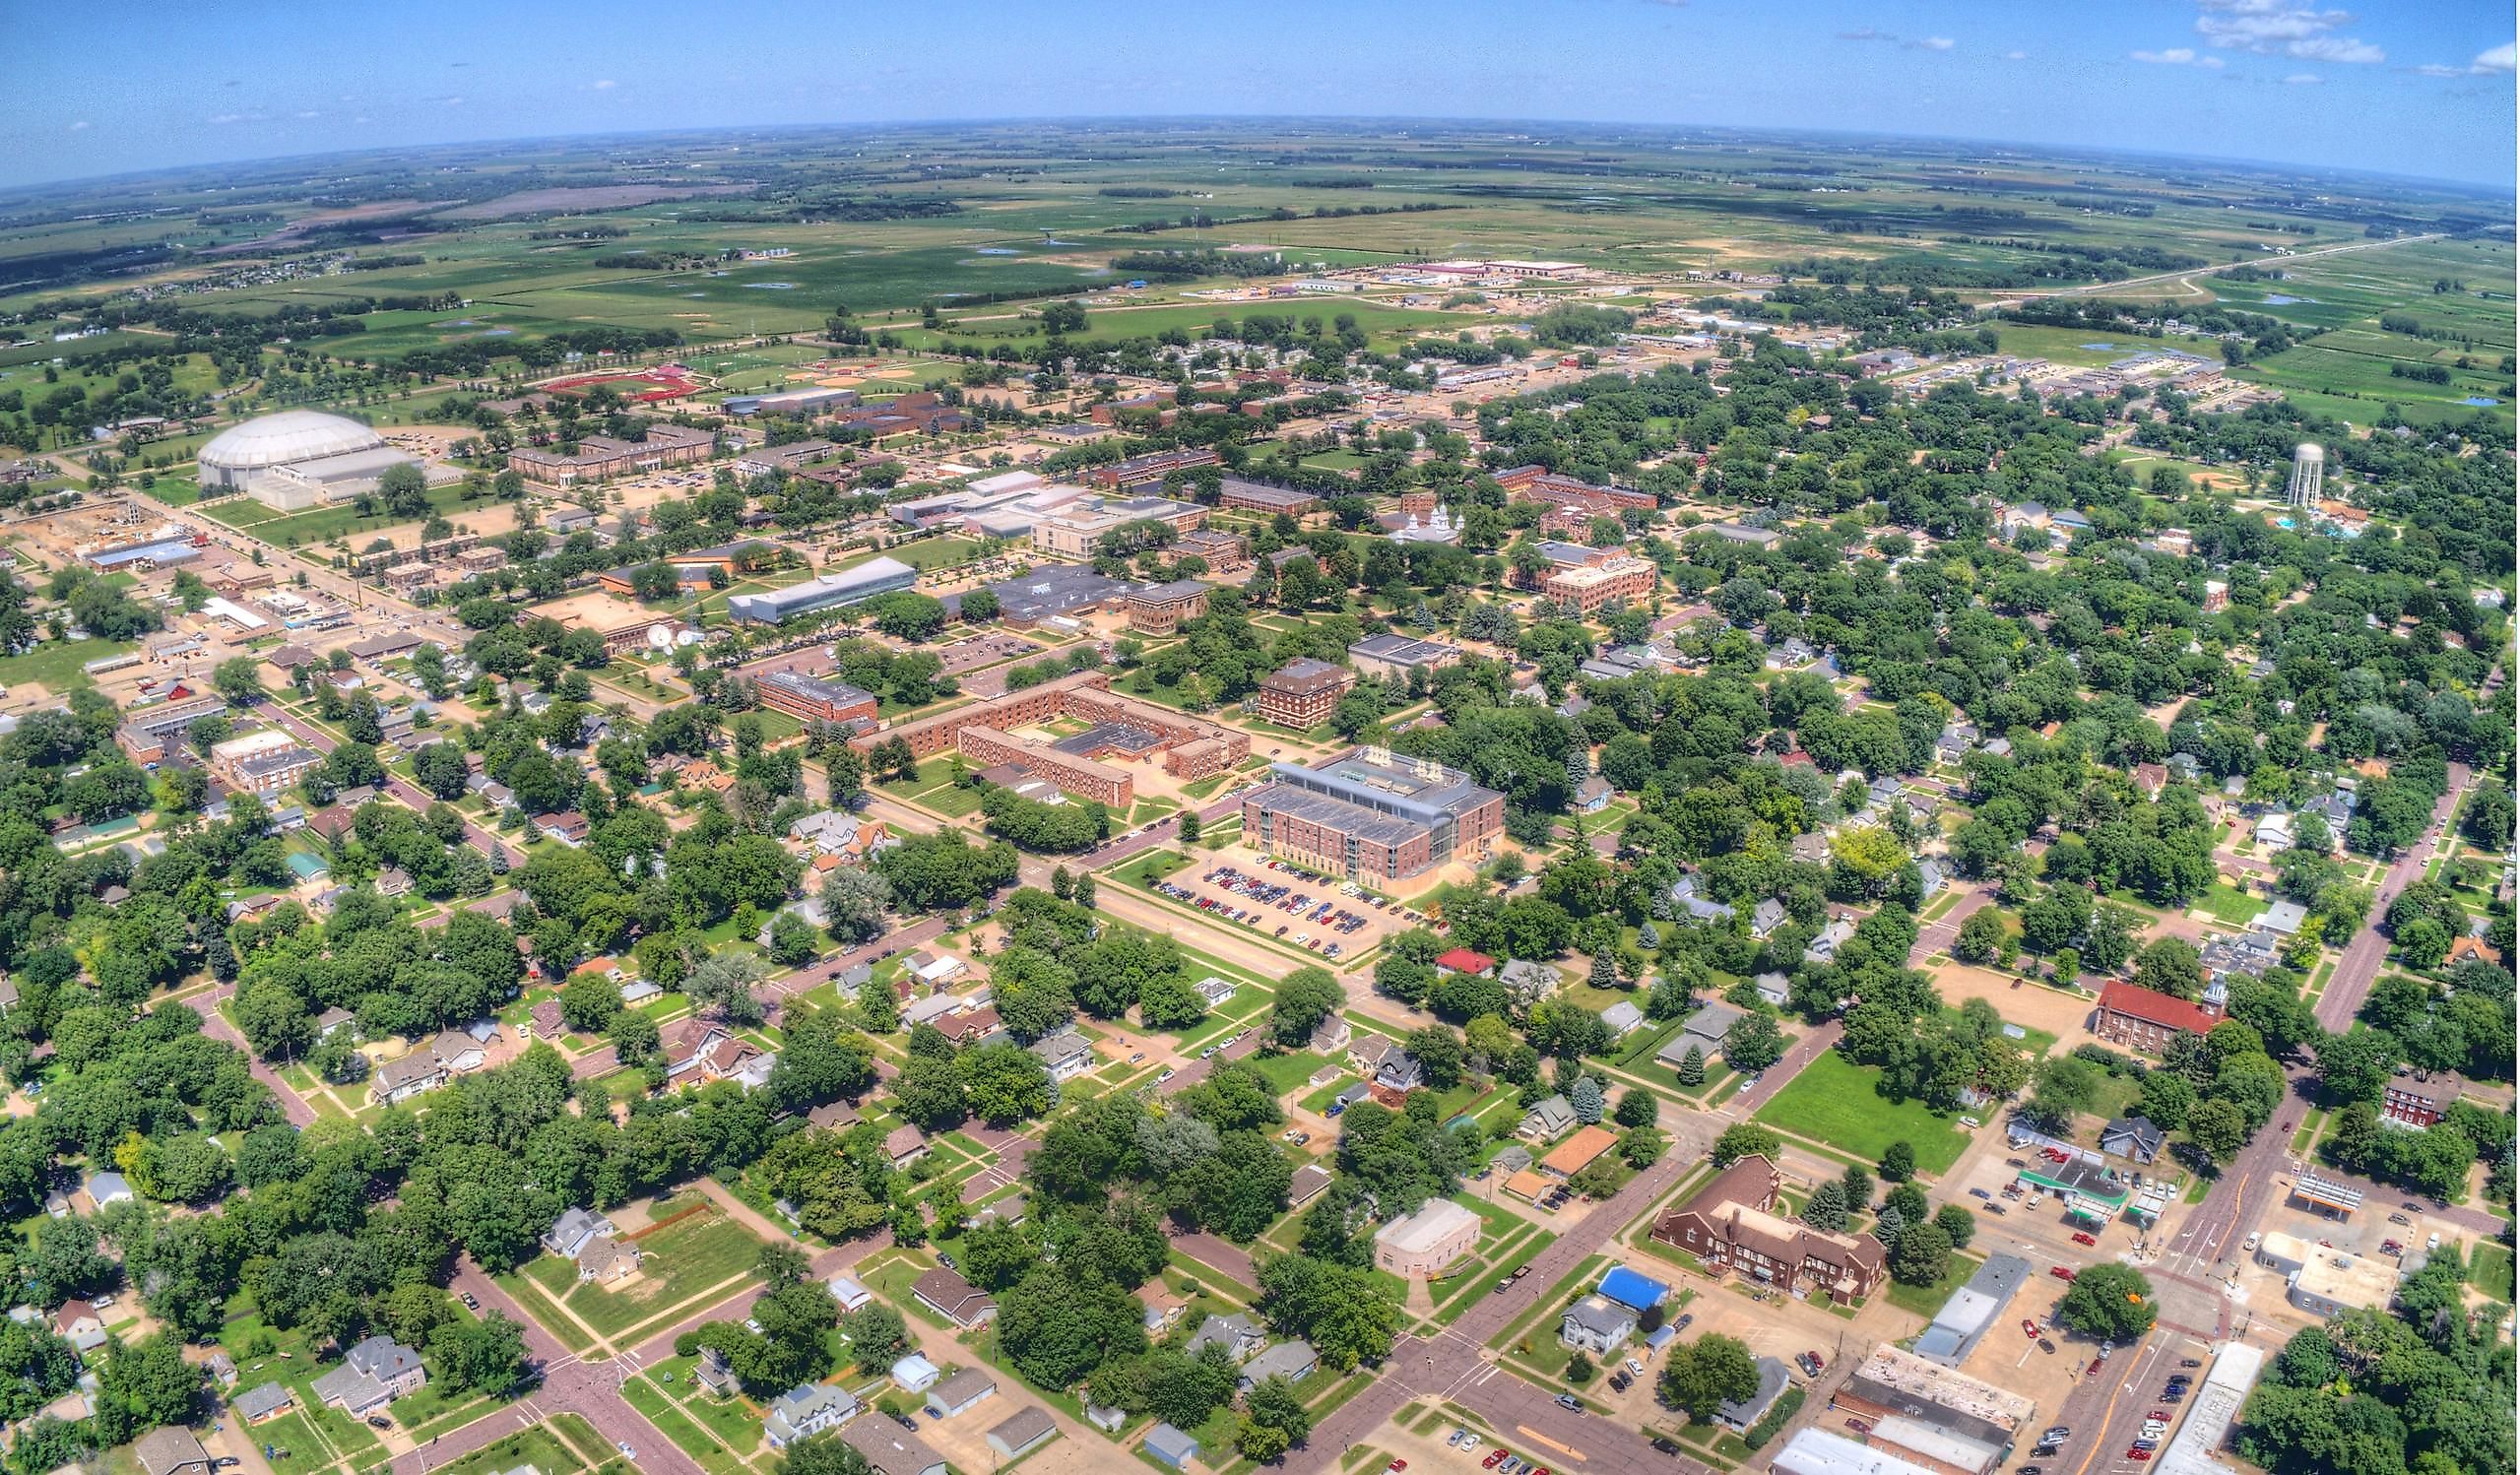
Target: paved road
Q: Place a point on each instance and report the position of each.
(590, 1390)
(2123, 283)
(1456, 1364)
(215, 1025)
(400, 787)
(1936, 937)
(2354, 971)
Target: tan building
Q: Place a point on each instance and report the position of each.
(1622, 577)
(1428, 1240)
(601, 456)
(1078, 532)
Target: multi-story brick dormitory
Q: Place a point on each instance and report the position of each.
(1192, 748)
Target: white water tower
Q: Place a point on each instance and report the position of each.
(2310, 467)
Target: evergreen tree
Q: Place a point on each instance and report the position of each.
(1693, 1068)
(1828, 1207)
(1605, 971)
(1579, 767)
(1585, 1098)
(1648, 938)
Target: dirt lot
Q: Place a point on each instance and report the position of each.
(2026, 1005)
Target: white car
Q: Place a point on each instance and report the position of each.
(1635, 1369)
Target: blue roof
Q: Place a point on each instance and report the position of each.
(306, 867)
(1629, 1288)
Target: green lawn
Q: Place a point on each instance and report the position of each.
(1149, 865)
(2229, 904)
(1833, 1101)
(56, 664)
(681, 1260)
(2490, 1269)
(1925, 1300)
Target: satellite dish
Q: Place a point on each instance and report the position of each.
(661, 637)
(687, 637)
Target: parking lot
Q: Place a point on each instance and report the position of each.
(1298, 907)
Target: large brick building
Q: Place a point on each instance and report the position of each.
(1073, 773)
(2149, 1021)
(1139, 470)
(600, 456)
(1302, 693)
(1258, 496)
(1192, 749)
(811, 699)
(1160, 610)
(1371, 816)
(2419, 1099)
(1622, 576)
(1731, 1223)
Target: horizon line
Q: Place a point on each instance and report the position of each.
(2503, 193)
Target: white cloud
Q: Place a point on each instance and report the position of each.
(1866, 34)
(2303, 79)
(309, 113)
(2283, 27)
(2016, 56)
(607, 85)
(2501, 59)
(2436, 69)
(2178, 56)
(229, 117)
(80, 126)
(1931, 44)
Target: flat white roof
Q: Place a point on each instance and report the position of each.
(1817, 1451)
(1426, 1228)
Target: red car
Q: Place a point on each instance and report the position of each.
(1397, 1465)
(2162, 1414)
(2084, 1238)
(2139, 1455)
(2060, 1273)
(1494, 1457)
(2030, 1328)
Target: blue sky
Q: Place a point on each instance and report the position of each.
(2410, 87)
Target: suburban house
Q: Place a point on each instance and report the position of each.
(1624, 1018)
(954, 1298)
(1293, 1361)
(706, 1051)
(78, 1323)
(2132, 1138)
(374, 1374)
(1169, 1446)
(1065, 1054)
(905, 1146)
(268, 1402)
(1397, 1070)
(574, 1229)
(1547, 1121)
(1596, 1326)
(808, 1409)
(1238, 1334)
(170, 1450)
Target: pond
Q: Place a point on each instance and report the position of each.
(2280, 299)
(2480, 401)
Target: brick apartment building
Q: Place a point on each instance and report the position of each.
(1192, 749)
(1073, 773)
(600, 456)
(812, 699)
(1304, 693)
(2419, 1099)
(1256, 496)
(1589, 588)
(1138, 470)
(1731, 1223)
(2145, 1020)
(1160, 610)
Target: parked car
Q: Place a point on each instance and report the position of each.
(2060, 1273)
(2030, 1328)
(2081, 1238)
(1571, 1403)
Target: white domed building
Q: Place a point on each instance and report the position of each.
(296, 459)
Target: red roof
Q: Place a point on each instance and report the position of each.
(2120, 997)
(1462, 960)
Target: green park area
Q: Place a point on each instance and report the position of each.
(1838, 1103)
(699, 1249)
